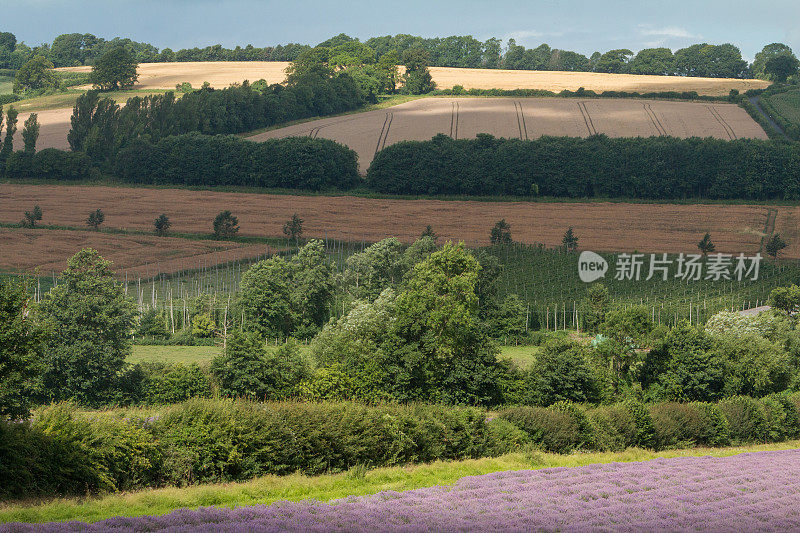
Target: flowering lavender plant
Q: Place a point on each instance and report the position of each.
(747, 492)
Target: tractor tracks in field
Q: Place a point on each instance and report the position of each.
(587, 118)
(769, 226)
(387, 123)
(523, 128)
(725, 126)
(454, 120)
(655, 120)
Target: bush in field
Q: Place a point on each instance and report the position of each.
(95, 219)
(162, 225)
(280, 298)
(20, 339)
(116, 69)
(88, 319)
(226, 226)
(248, 370)
(561, 372)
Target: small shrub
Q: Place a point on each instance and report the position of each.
(555, 431)
(747, 419)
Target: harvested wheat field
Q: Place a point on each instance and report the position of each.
(601, 226)
(135, 255)
(223, 73)
(524, 118)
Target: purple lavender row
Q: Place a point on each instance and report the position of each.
(747, 492)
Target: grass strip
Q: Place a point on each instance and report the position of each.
(356, 482)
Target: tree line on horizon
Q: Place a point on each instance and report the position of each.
(702, 59)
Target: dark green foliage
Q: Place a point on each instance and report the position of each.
(501, 233)
(226, 226)
(598, 166)
(689, 424)
(683, 367)
(280, 298)
(95, 219)
(787, 299)
(89, 320)
(594, 307)
(11, 128)
(116, 69)
(774, 245)
(293, 228)
(553, 430)
(20, 339)
(705, 245)
(162, 225)
(193, 159)
(747, 419)
(35, 75)
(30, 133)
(622, 425)
(49, 163)
(248, 370)
(32, 217)
(570, 240)
(561, 372)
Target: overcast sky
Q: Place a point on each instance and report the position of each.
(583, 26)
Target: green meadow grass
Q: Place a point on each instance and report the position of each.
(268, 489)
(522, 356)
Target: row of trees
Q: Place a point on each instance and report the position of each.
(76, 49)
(597, 166)
(704, 59)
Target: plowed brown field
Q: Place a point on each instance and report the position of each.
(600, 226)
(524, 118)
(134, 255)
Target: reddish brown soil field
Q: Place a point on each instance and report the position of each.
(134, 255)
(600, 226)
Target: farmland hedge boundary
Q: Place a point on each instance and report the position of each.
(598, 166)
(203, 160)
(64, 451)
(791, 129)
(585, 93)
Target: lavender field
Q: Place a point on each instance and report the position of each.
(746, 492)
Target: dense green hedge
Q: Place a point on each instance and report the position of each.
(582, 93)
(195, 159)
(791, 129)
(65, 451)
(598, 166)
(736, 420)
(49, 163)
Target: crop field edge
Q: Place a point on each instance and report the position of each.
(371, 195)
(327, 487)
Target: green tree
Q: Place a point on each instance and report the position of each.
(369, 272)
(314, 62)
(614, 61)
(417, 78)
(446, 353)
(248, 370)
(162, 225)
(116, 69)
(387, 71)
(20, 349)
(30, 133)
(96, 219)
(312, 288)
(36, 74)
(628, 328)
(88, 319)
(774, 246)
(32, 217)
(684, 367)
(226, 225)
(561, 372)
(501, 233)
(293, 228)
(11, 129)
(779, 68)
(705, 245)
(655, 61)
(94, 124)
(787, 299)
(595, 306)
(768, 52)
(570, 240)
